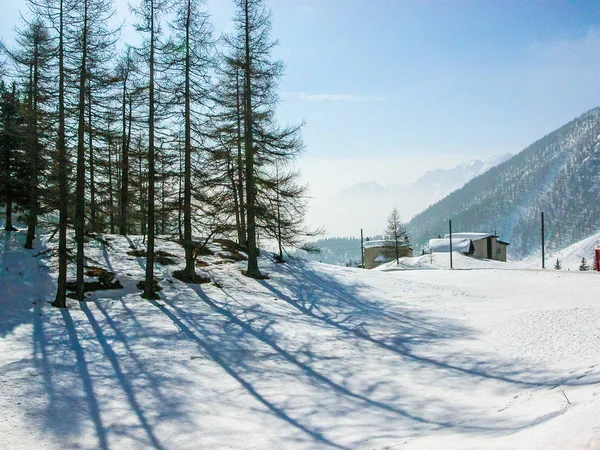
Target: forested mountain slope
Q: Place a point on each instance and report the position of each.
(558, 174)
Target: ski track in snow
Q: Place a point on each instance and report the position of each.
(316, 356)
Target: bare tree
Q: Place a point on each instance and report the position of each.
(149, 13)
(56, 13)
(253, 43)
(190, 59)
(31, 58)
(11, 140)
(94, 38)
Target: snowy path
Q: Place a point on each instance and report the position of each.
(315, 357)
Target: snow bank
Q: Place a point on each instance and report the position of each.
(570, 257)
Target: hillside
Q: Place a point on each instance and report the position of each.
(558, 174)
(317, 356)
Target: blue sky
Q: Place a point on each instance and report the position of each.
(390, 88)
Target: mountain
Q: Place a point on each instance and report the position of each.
(558, 174)
(367, 205)
(447, 180)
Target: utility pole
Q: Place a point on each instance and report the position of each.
(362, 250)
(450, 226)
(543, 245)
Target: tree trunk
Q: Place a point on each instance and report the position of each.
(93, 212)
(163, 210)
(189, 271)
(61, 291)
(8, 186)
(180, 198)
(80, 185)
(124, 164)
(33, 147)
(279, 232)
(149, 292)
(252, 270)
(111, 199)
(242, 232)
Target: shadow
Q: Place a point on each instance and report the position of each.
(249, 347)
(121, 377)
(86, 379)
(216, 356)
(23, 281)
(318, 377)
(342, 306)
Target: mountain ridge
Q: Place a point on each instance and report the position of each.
(558, 174)
(367, 204)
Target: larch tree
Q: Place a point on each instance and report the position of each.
(94, 37)
(190, 58)
(228, 152)
(396, 231)
(32, 58)
(149, 13)
(282, 207)
(11, 140)
(56, 12)
(124, 73)
(252, 41)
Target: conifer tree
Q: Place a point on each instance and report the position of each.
(124, 73)
(149, 13)
(32, 58)
(93, 39)
(396, 232)
(190, 59)
(56, 12)
(11, 157)
(263, 141)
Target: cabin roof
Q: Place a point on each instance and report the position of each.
(443, 245)
(383, 243)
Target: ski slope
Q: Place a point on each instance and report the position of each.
(317, 356)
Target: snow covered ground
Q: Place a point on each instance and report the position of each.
(317, 356)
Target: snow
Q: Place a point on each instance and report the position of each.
(570, 257)
(317, 356)
(468, 235)
(383, 243)
(382, 259)
(443, 245)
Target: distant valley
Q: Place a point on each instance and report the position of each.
(367, 205)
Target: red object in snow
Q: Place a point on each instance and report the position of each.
(597, 259)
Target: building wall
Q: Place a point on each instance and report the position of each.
(371, 255)
(501, 253)
(481, 249)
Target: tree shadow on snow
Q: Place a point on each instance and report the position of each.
(308, 359)
(337, 384)
(23, 281)
(344, 307)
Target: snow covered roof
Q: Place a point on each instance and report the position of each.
(383, 243)
(443, 245)
(472, 236)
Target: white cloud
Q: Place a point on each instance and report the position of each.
(303, 96)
